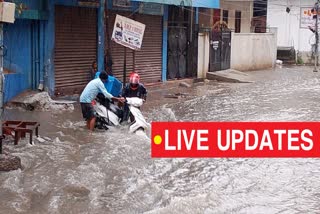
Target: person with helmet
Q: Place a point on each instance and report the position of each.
(133, 89)
(90, 92)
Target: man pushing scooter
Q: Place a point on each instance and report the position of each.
(90, 93)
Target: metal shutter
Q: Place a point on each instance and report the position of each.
(117, 51)
(148, 61)
(75, 47)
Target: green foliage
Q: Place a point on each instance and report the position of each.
(300, 60)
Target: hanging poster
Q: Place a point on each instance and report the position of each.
(128, 32)
(306, 19)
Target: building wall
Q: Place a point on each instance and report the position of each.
(246, 8)
(288, 24)
(260, 51)
(26, 70)
(22, 61)
(205, 17)
(17, 60)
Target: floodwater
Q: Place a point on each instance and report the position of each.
(112, 172)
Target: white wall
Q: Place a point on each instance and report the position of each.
(203, 54)
(253, 51)
(288, 24)
(246, 8)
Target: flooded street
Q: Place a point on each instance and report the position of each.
(112, 172)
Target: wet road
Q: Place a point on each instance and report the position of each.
(113, 172)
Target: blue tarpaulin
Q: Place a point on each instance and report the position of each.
(187, 3)
(113, 85)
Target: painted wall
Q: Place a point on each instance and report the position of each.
(17, 39)
(260, 51)
(19, 51)
(288, 24)
(246, 8)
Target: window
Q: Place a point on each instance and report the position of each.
(238, 22)
(260, 8)
(225, 16)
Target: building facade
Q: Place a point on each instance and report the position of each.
(52, 44)
(237, 14)
(292, 18)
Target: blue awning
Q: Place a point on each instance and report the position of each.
(206, 3)
(187, 3)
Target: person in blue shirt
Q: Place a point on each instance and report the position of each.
(90, 92)
(96, 76)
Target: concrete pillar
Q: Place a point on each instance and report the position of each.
(49, 78)
(165, 43)
(101, 35)
(203, 54)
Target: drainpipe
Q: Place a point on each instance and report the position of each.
(164, 43)
(31, 77)
(196, 42)
(191, 24)
(251, 17)
(41, 47)
(299, 31)
(317, 39)
(38, 52)
(197, 15)
(1, 84)
(101, 35)
(36, 55)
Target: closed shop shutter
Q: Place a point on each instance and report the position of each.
(75, 47)
(117, 51)
(147, 61)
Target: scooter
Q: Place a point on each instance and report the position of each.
(109, 114)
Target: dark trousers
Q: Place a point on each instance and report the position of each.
(127, 114)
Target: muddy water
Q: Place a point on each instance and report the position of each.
(76, 172)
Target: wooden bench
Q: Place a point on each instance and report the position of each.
(18, 129)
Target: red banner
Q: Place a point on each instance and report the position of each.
(235, 139)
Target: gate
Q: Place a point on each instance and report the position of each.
(177, 52)
(220, 50)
